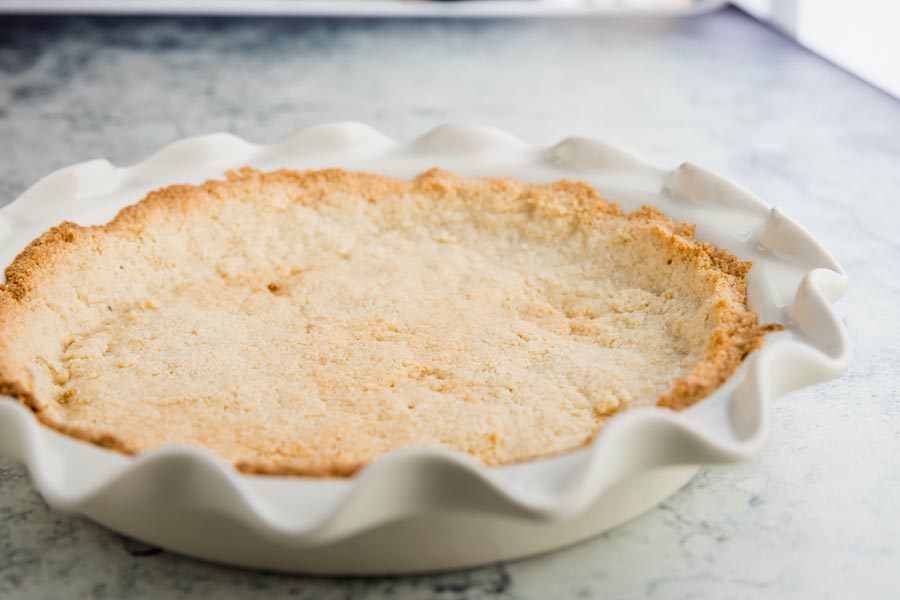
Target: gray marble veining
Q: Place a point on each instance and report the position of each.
(814, 516)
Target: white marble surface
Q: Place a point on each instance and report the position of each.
(814, 516)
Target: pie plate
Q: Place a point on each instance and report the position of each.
(422, 509)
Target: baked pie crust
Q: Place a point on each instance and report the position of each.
(309, 322)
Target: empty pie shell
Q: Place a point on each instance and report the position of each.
(309, 322)
(419, 509)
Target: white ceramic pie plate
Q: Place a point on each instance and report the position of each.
(421, 510)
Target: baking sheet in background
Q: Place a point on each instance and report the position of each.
(366, 8)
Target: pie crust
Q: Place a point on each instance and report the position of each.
(309, 322)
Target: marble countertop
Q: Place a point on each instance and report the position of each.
(814, 516)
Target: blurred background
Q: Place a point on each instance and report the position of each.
(793, 98)
(857, 35)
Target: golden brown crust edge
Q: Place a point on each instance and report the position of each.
(737, 334)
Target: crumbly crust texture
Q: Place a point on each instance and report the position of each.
(309, 322)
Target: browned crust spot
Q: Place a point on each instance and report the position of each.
(737, 335)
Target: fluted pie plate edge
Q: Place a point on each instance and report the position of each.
(190, 501)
